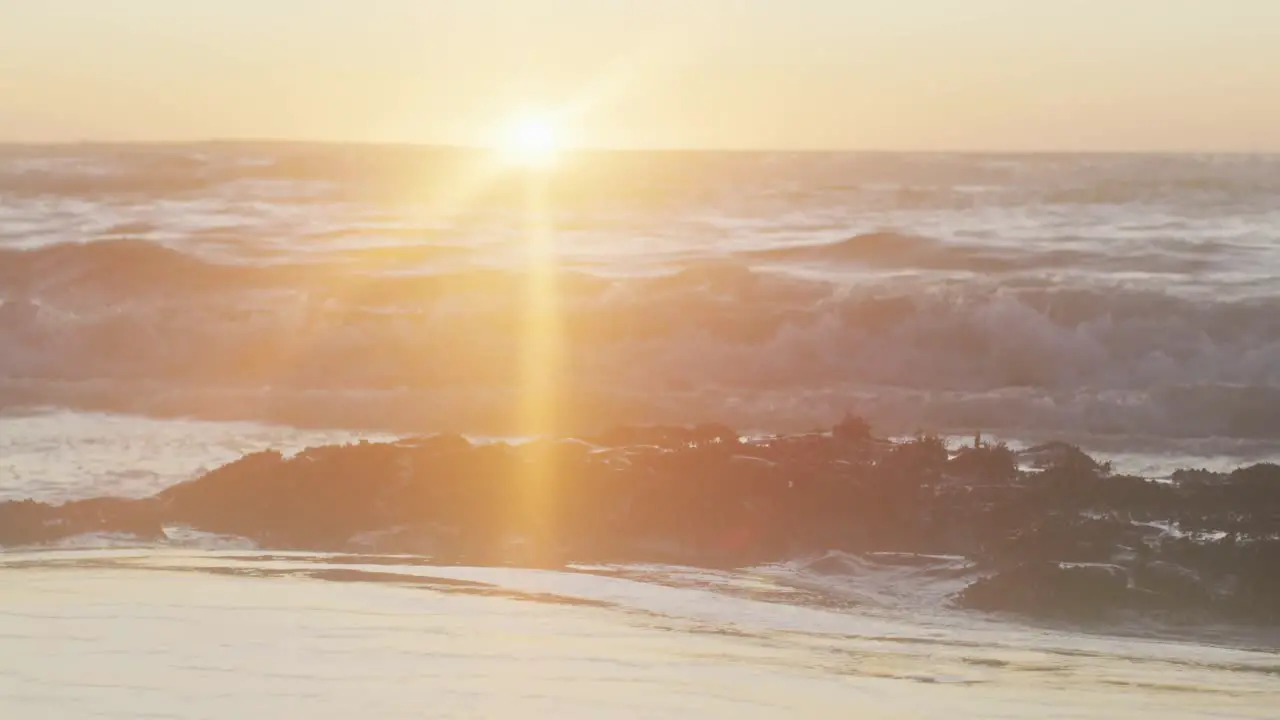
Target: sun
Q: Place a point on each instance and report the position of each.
(532, 142)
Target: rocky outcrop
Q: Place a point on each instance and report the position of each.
(28, 522)
(1063, 538)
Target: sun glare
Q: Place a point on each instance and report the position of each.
(531, 142)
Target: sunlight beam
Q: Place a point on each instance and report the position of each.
(541, 350)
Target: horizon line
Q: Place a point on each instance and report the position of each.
(456, 147)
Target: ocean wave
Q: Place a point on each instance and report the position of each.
(873, 246)
(126, 270)
(889, 250)
(761, 348)
(990, 334)
(117, 267)
(366, 273)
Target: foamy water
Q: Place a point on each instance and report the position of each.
(57, 455)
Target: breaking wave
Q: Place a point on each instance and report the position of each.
(761, 348)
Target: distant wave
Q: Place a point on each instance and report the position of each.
(123, 265)
(888, 250)
(123, 269)
(128, 270)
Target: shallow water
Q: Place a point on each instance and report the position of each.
(127, 634)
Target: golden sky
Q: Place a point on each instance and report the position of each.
(855, 74)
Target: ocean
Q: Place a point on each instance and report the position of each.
(166, 309)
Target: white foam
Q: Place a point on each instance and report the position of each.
(59, 455)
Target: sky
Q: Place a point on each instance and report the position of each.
(1107, 75)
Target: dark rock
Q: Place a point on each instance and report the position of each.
(33, 523)
(984, 463)
(851, 430)
(702, 496)
(924, 456)
(1062, 456)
